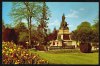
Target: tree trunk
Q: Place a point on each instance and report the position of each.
(28, 9)
(28, 22)
(30, 31)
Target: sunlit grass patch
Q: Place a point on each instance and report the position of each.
(63, 57)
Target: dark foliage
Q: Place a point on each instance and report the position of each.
(52, 36)
(85, 47)
(40, 48)
(9, 35)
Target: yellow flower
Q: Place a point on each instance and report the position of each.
(26, 54)
(42, 60)
(16, 62)
(3, 51)
(14, 49)
(18, 48)
(6, 53)
(11, 50)
(34, 57)
(5, 47)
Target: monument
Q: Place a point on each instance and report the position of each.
(63, 36)
(63, 32)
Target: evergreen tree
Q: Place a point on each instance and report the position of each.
(42, 27)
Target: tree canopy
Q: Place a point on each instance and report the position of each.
(86, 32)
(27, 11)
(83, 32)
(19, 10)
(95, 29)
(31, 11)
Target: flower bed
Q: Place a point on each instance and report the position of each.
(13, 54)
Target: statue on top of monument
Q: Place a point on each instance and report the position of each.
(63, 24)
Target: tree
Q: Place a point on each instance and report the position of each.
(35, 35)
(25, 10)
(42, 27)
(20, 27)
(9, 34)
(8, 26)
(95, 29)
(74, 35)
(23, 38)
(22, 31)
(95, 33)
(83, 33)
(3, 26)
(55, 34)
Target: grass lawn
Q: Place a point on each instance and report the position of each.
(65, 57)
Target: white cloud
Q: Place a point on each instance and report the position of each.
(82, 9)
(72, 14)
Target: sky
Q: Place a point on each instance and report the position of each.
(75, 13)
